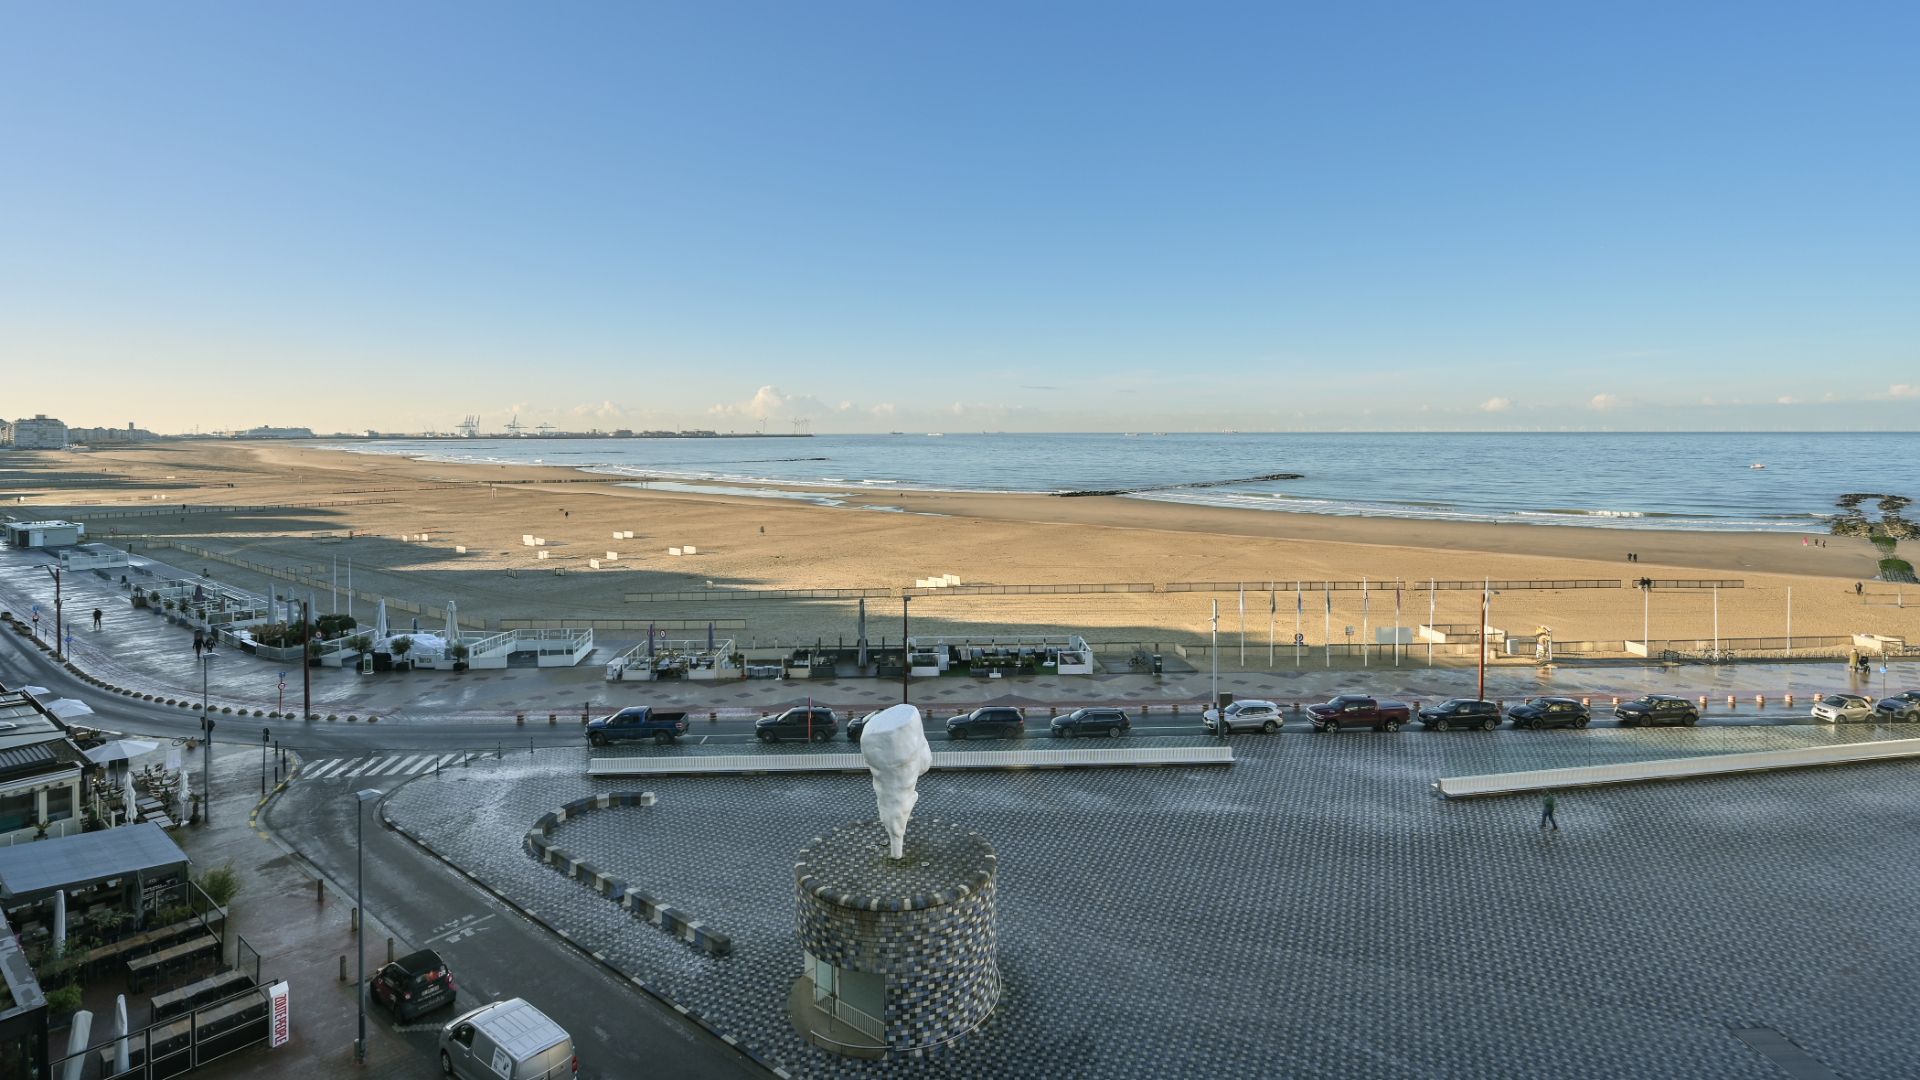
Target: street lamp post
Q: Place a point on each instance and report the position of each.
(206, 742)
(361, 799)
(59, 634)
(906, 660)
(1214, 652)
(266, 736)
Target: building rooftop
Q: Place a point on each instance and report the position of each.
(31, 871)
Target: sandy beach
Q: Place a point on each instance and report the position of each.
(320, 498)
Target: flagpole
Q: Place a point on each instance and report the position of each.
(1243, 624)
(1789, 620)
(1430, 631)
(1396, 626)
(1327, 631)
(1299, 609)
(1364, 631)
(1273, 616)
(1215, 653)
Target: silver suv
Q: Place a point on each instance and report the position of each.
(1244, 716)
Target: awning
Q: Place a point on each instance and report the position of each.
(30, 872)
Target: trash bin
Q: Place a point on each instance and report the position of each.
(1156, 664)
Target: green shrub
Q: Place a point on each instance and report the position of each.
(64, 1000)
(220, 883)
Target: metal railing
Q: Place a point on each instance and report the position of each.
(179, 1044)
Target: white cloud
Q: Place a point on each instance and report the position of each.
(1786, 399)
(764, 402)
(606, 410)
(1603, 402)
(885, 408)
(1496, 404)
(1903, 390)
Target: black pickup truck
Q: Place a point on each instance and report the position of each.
(1352, 710)
(638, 722)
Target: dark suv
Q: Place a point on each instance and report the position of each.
(802, 723)
(1107, 721)
(1461, 713)
(1546, 712)
(994, 721)
(413, 985)
(1657, 709)
(1904, 706)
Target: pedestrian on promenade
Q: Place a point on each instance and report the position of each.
(199, 642)
(1859, 587)
(1546, 812)
(97, 616)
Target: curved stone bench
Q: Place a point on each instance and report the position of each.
(643, 905)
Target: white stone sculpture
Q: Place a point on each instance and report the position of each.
(895, 746)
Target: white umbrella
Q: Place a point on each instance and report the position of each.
(186, 796)
(129, 795)
(78, 1036)
(453, 624)
(380, 622)
(67, 708)
(120, 1027)
(121, 750)
(59, 921)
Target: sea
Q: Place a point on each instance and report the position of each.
(1732, 482)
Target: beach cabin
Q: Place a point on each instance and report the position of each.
(44, 534)
(41, 773)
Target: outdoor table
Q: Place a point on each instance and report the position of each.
(186, 950)
(211, 988)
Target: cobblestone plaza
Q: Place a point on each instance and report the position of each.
(1311, 910)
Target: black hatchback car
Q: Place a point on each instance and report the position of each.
(858, 724)
(413, 985)
(1549, 712)
(1657, 709)
(1465, 713)
(1110, 722)
(991, 722)
(805, 724)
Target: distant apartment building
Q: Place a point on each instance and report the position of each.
(264, 432)
(39, 433)
(100, 436)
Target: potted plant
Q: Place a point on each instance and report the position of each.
(313, 653)
(400, 647)
(63, 1003)
(459, 653)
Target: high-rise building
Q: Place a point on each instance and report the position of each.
(39, 433)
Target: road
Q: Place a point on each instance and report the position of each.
(494, 952)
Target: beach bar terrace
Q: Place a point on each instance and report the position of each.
(549, 647)
(688, 658)
(1062, 654)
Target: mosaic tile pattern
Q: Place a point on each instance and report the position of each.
(1310, 912)
(924, 923)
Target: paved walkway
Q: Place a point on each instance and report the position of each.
(138, 649)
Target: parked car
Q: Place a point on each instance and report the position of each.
(807, 724)
(1843, 709)
(1355, 710)
(1549, 712)
(856, 725)
(638, 722)
(1461, 713)
(507, 1040)
(1110, 722)
(1900, 708)
(1657, 709)
(414, 985)
(993, 721)
(1245, 715)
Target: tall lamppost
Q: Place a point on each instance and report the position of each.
(361, 799)
(59, 641)
(206, 741)
(266, 736)
(906, 660)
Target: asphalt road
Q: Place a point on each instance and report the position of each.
(494, 952)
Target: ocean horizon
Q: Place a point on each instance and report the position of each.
(1641, 480)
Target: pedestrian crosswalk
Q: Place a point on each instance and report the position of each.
(395, 764)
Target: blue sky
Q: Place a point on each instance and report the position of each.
(888, 216)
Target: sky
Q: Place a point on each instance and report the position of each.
(985, 216)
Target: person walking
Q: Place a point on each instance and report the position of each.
(97, 616)
(199, 643)
(1859, 587)
(1547, 804)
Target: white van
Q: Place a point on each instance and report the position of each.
(507, 1040)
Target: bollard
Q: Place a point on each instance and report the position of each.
(343, 967)
(1586, 703)
(1052, 712)
(713, 718)
(520, 719)
(1789, 701)
(1760, 700)
(354, 921)
(389, 950)
(1176, 708)
(1703, 701)
(319, 891)
(1616, 699)
(551, 720)
(1729, 701)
